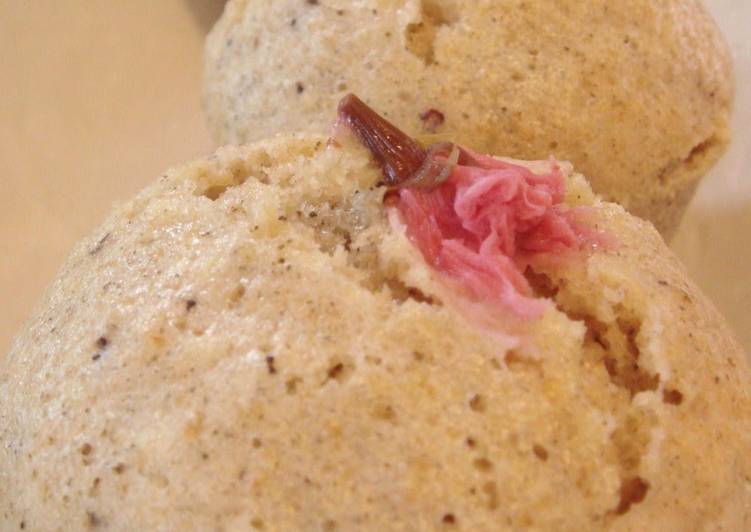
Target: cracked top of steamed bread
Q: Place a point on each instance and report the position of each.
(248, 344)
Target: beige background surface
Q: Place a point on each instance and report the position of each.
(100, 96)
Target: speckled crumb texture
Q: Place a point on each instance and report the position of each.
(248, 345)
(637, 94)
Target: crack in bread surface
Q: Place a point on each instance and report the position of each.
(354, 225)
(612, 344)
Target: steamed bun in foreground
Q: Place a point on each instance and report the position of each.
(271, 339)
